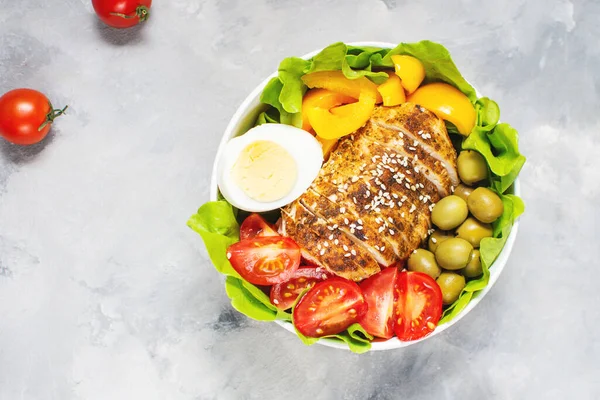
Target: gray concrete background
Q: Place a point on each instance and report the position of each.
(106, 294)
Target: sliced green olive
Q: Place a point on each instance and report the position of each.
(422, 260)
(473, 268)
(485, 205)
(453, 254)
(451, 284)
(473, 231)
(436, 238)
(449, 212)
(471, 167)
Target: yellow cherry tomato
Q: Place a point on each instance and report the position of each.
(448, 103)
(410, 70)
(392, 91)
(321, 98)
(343, 120)
(337, 82)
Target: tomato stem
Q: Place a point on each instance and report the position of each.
(141, 12)
(52, 114)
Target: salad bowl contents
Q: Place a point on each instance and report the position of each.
(376, 193)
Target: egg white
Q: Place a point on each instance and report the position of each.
(301, 145)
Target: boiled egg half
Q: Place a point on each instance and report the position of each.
(268, 167)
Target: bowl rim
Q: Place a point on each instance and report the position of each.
(393, 343)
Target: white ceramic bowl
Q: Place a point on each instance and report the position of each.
(244, 119)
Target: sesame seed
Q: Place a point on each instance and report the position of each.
(433, 240)
(336, 242)
(331, 237)
(335, 226)
(345, 247)
(354, 179)
(319, 246)
(391, 220)
(412, 208)
(359, 221)
(376, 247)
(407, 185)
(334, 182)
(382, 248)
(346, 221)
(353, 252)
(326, 244)
(381, 229)
(359, 227)
(367, 206)
(275, 301)
(228, 255)
(392, 232)
(411, 148)
(352, 225)
(413, 188)
(394, 195)
(347, 255)
(342, 209)
(402, 215)
(322, 252)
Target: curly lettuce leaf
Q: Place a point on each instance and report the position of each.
(285, 91)
(355, 337)
(500, 149)
(490, 249)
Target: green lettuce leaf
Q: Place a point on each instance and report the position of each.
(355, 337)
(285, 91)
(490, 248)
(501, 151)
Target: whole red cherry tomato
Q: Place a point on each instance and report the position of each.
(122, 13)
(26, 116)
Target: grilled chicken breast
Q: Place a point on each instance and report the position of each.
(371, 204)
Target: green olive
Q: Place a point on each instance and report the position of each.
(436, 238)
(485, 205)
(449, 212)
(473, 231)
(463, 191)
(471, 167)
(422, 260)
(453, 253)
(473, 268)
(451, 285)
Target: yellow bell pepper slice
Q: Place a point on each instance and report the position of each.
(321, 98)
(410, 70)
(392, 91)
(344, 120)
(327, 145)
(448, 103)
(337, 82)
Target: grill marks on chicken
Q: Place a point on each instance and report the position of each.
(371, 203)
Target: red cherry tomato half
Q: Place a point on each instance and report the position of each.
(418, 305)
(26, 116)
(265, 260)
(329, 307)
(283, 295)
(379, 294)
(254, 225)
(122, 13)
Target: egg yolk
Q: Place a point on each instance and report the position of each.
(265, 171)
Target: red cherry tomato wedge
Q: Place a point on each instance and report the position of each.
(283, 295)
(254, 225)
(418, 306)
(122, 13)
(265, 260)
(26, 116)
(379, 293)
(329, 307)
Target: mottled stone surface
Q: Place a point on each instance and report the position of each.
(106, 294)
